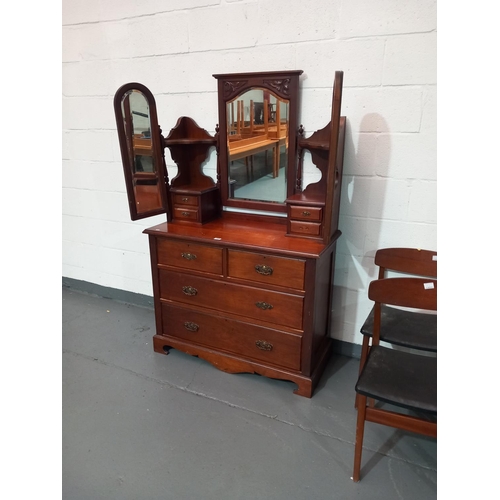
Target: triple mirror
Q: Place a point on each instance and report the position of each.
(256, 142)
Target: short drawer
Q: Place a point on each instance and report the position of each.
(301, 227)
(306, 213)
(250, 341)
(180, 199)
(259, 303)
(264, 268)
(186, 213)
(190, 256)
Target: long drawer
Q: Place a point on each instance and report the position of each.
(266, 305)
(267, 269)
(251, 341)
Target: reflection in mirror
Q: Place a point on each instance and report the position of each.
(257, 142)
(137, 127)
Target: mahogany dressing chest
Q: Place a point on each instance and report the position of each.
(243, 267)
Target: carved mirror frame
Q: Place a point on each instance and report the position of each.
(284, 85)
(159, 203)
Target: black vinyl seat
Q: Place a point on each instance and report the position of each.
(411, 329)
(400, 378)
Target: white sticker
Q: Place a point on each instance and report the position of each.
(217, 238)
(434, 257)
(429, 286)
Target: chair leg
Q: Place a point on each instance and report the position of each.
(362, 361)
(360, 430)
(364, 352)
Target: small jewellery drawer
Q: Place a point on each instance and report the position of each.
(266, 269)
(256, 303)
(186, 213)
(180, 199)
(301, 227)
(306, 213)
(250, 341)
(190, 256)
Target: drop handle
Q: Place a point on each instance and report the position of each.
(264, 270)
(263, 345)
(188, 256)
(264, 306)
(189, 290)
(192, 327)
(306, 213)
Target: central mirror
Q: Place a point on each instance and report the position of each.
(257, 139)
(257, 142)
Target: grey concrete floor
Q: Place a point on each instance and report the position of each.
(140, 425)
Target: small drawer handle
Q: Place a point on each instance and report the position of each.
(189, 290)
(306, 213)
(263, 345)
(192, 327)
(264, 270)
(185, 199)
(188, 256)
(264, 306)
(186, 214)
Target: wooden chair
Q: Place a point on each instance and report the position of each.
(399, 327)
(407, 380)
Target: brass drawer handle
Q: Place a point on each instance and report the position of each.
(188, 256)
(263, 305)
(192, 327)
(265, 270)
(185, 199)
(186, 214)
(263, 345)
(189, 290)
(306, 213)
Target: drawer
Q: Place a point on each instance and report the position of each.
(180, 199)
(310, 228)
(249, 341)
(264, 268)
(256, 303)
(306, 213)
(190, 256)
(186, 213)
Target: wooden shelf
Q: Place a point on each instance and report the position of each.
(308, 144)
(189, 142)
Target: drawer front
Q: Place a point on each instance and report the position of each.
(249, 341)
(299, 227)
(306, 213)
(186, 213)
(180, 199)
(266, 269)
(266, 305)
(190, 256)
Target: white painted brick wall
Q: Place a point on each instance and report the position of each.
(387, 50)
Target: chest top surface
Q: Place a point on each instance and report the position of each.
(242, 233)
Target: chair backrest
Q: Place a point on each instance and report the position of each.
(407, 260)
(417, 293)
